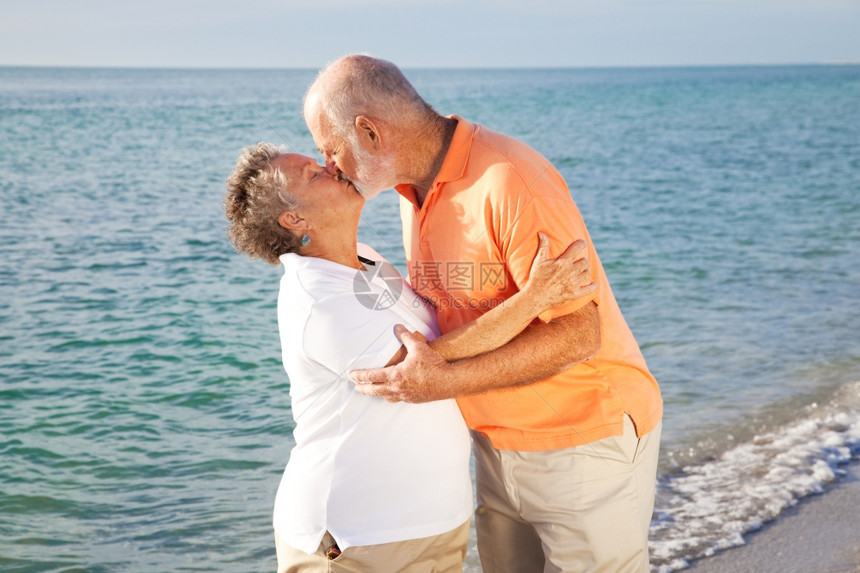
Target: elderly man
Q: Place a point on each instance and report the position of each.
(566, 417)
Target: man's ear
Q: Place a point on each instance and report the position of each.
(293, 222)
(368, 132)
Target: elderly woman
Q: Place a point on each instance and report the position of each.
(369, 486)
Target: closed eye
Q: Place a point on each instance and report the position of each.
(311, 172)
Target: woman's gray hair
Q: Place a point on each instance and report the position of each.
(256, 197)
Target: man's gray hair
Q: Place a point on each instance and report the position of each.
(361, 85)
(256, 197)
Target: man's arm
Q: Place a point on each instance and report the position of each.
(552, 283)
(539, 352)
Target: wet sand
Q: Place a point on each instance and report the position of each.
(819, 535)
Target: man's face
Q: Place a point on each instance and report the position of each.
(368, 172)
(336, 151)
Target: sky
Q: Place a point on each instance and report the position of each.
(427, 33)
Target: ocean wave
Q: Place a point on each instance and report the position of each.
(708, 507)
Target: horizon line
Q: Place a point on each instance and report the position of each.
(421, 67)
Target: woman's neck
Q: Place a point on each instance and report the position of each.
(336, 249)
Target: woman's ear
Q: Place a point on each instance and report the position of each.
(368, 132)
(293, 222)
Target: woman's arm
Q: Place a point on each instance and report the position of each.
(551, 283)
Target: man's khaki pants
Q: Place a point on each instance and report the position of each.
(438, 554)
(576, 510)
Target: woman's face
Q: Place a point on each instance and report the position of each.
(328, 202)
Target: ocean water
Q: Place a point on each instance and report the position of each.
(144, 414)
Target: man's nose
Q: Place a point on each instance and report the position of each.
(331, 166)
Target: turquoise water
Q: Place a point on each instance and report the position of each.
(144, 415)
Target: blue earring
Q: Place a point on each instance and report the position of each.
(306, 240)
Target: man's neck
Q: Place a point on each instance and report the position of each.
(428, 158)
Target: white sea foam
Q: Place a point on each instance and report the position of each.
(709, 507)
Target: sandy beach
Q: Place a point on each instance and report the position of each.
(819, 535)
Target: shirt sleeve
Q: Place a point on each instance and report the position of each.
(343, 335)
(542, 205)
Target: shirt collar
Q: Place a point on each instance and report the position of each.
(454, 164)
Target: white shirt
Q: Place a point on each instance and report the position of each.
(363, 469)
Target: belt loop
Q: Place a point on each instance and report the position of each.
(333, 551)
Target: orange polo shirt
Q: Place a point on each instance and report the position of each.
(470, 246)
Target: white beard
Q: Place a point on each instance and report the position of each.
(374, 174)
